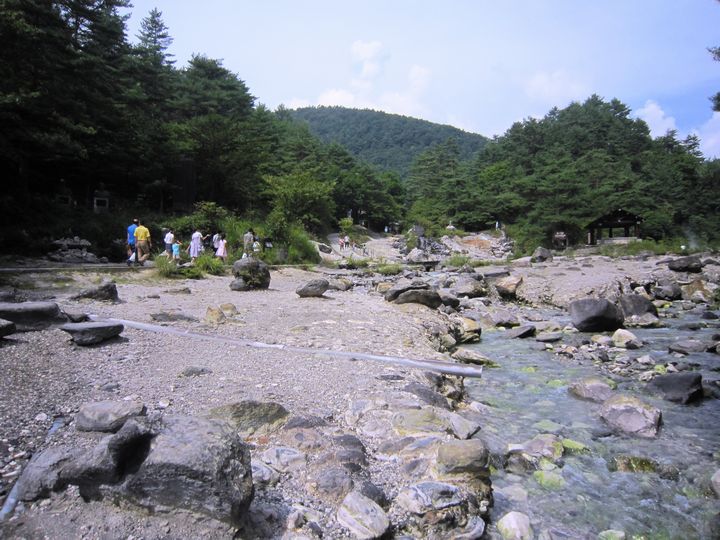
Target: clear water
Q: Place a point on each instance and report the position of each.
(594, 499)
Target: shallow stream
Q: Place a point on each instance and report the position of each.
(528, 394)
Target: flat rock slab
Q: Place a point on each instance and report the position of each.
(89, 333)
(107, 415)
(30, 316)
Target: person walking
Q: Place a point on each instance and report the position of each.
(169, 241)
(196, 245)
(131, 246)
(143, 242)
(221, 251)
(248, 239)
(176, 250)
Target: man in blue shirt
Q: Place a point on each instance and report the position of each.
(131, 246)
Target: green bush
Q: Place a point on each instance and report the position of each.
(192, 272)
(300, 249)
(210, 264)
(166, 268)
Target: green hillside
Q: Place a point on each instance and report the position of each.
(389, 141)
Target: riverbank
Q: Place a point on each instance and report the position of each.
(337, 410)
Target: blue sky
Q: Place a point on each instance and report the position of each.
(478, 65)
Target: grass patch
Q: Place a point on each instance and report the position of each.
(661, 247)
(457, 260)
(353, 264)
(389, 269)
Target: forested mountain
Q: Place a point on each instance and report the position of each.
(566, 170)
(388, 141)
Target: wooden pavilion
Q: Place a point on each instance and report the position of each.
(621, 227)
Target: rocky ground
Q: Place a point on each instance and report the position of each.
(349, 425)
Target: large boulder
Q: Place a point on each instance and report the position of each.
(541, 254)
(314, 288)
(667, 290)
(630, 415)
(470, 286)
(507, 286)
(595, 315)
(403, 286)
(250, 273)
(636, 305)
(691, 264)
(684, 387)
(194, 464)
(30, 316)
(106, 291)
(90, 333)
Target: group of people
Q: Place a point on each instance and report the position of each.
(345, 242)
(139, 244)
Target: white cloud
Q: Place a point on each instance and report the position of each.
(365, 50)
(709, 134)
(369, 55)
(338, 96)
(656, 118)
(362, 91)
(556, 88)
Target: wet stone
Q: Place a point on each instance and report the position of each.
(425, 497)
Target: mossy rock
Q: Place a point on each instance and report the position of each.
(528, 369)
(633, 464)
(574, 447)
(551, 480)
(659, 368)
(556, 383)
(547, 426)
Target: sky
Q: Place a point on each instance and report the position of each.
(479, 65)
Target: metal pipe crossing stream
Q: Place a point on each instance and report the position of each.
(432, 365)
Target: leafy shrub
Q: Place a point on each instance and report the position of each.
(166, 268)
(209, 264)
(192, 272)
(300, 248)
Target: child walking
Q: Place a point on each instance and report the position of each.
(176, 250)
(221, 251)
